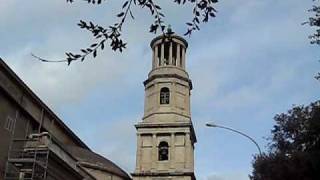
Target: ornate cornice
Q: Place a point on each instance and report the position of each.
(167, 125)
(162, 174)
(168, 76)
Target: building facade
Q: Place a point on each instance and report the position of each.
(165, 136)
(36, 144)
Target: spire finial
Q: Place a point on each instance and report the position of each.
(169, 30)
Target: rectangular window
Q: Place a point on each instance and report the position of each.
(9, 125)
(164, 98)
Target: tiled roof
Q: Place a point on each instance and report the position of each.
(93, 160)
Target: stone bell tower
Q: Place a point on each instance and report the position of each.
(165, 136)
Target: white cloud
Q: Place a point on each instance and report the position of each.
(120, 141)
(255, 47)
(58, 84)
(243, 97)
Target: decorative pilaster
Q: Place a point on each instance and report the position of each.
(154, 152)
(139, 155)
(172, 147)
(188, 151)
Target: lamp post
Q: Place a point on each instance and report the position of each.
(236, 131)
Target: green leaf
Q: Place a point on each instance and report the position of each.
(125, 4)
(102, 45)
(94, 53)
(120, 14)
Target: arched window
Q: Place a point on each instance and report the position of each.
(163, 151)
(164, 96)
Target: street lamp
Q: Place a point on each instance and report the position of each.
(236, 131)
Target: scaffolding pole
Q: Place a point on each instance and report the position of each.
(28, 158)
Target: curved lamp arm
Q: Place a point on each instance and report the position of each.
(236, 131)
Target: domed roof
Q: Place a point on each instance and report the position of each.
(169, 34)
(91, 159)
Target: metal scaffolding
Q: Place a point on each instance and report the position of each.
(28, 158)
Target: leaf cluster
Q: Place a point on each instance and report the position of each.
(203, 10)
(101, 35)
(314, 21)
(88, 1)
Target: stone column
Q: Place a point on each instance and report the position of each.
(153, 58)
(156, 59)
(178, 55)
(162, 55)
(170, 54)
(183, 65)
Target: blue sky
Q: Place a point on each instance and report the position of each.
(248, 64)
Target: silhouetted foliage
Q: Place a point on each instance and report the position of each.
(202, 10)
(294, 151)
(314, 21)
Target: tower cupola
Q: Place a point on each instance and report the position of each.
(169, 54)
(168, 50)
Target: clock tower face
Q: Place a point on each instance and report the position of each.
(165, 136)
